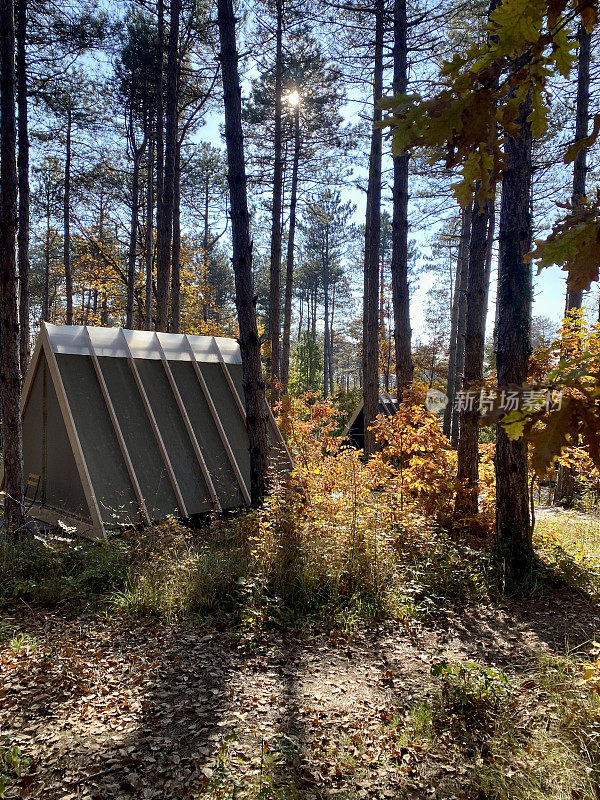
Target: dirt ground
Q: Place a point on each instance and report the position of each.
(110, 708)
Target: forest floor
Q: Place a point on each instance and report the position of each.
(478, 701)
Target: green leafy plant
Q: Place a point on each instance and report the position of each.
(13, 764)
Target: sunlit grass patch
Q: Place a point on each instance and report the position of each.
(569, 542)
(174, 572)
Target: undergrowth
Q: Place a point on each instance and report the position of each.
(340, 540)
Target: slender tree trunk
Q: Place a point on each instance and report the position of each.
(513, 528)
(372, 241)
(205, 253)
(176, 254)
(575, 299)
(254, 388)
(10, 383)
(289, 272)
(275, 269)
(135, 191)
(149, 236)
(46, 295)
(399, 262)
(326, 340)
(461, 327)
(301, 316)
(565, 483)
(459, 286)
(67, 224)
(489, 250)
(331, 340)
(165, 227)
(468, 440)
(23, 170)
(160, 116)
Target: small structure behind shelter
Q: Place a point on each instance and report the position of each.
(354, 431)
(123, 426)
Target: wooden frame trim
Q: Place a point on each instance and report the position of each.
(188, 425)
(117, 428)
(65, 408)
(353, 418)
(229, 379)
(29, 378)
(218, 423)
(154, 426)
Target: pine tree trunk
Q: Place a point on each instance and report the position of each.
(176, 249)
(489, 250)
(254, 388)
(326, 340)
(160, 116)
(331, 340)
(513, 543)
(399, 261)
(575, 299)
(135, 191)
(461, 325)
(459, 287)
(372, 241)
(149, 236)
(165, 224)
(275, 268)
(565, 483)
(23, 178)
(67, 224)
(10, 383)
(289, 272)
(468, 440)
(46, 294)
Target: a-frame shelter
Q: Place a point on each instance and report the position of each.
(122, 426)
(354, 431)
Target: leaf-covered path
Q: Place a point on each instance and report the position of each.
(109, 708)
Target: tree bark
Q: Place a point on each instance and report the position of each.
(165, 224)
(326, 336)
(372, 241)
(10, 383)
(461, 328)
(67, 223)
(289, 271)
(23, 178)
(149, 236)
(399, 261)
(468, 440)
(135, 193)
(254, 388)
(46, 295)
(565, 483)
(575, 299)
(460, 284)
(275, 268)
(513, 541)
(160, 117)
(176, 249)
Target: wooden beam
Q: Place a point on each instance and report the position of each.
(117, 429)
(218, 424)
(188, 425)
(29, 379)
(78, 453)
(229, 379)
(155, 430)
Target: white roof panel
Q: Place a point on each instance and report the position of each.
(73, 340)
